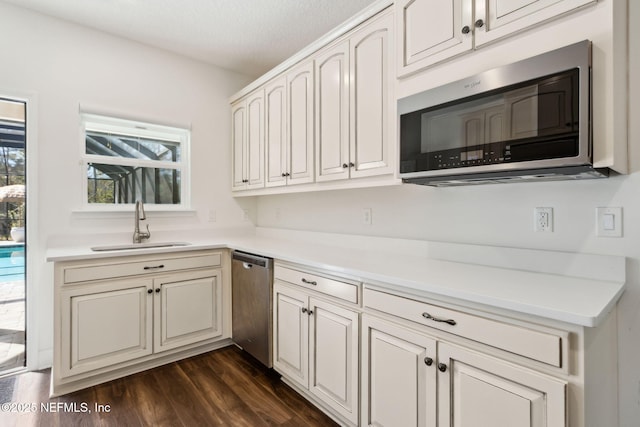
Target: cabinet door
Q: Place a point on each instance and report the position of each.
(255, 140)
(372, 98)
(333, 365)
(238, 143)
(276, 138)
(300, 87)
(188, 309)
(291, 334)
(398, 376)
(477, 390)
(430, 31)
(332, 113)
(503, 17)
(105, 325)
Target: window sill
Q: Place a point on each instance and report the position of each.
(153, 211)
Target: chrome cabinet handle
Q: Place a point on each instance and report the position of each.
(154, 267)
(437, 319)
(309, 282)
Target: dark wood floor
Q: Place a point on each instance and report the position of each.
(222, 388)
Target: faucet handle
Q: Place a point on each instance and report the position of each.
(146, 234)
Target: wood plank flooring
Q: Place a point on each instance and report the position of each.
(225, 387)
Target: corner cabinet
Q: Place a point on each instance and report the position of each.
(316, 338)
(118, 316)
(430, 32)
(247, 140)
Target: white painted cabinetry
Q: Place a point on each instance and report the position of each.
(113, 315)
(316, 340)
(355, 104)
(411, 379)
(432, 31)
(247, 139)
(327, 119)
(332, 113)
(289, 127)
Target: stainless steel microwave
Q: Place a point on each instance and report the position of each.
(530, 120)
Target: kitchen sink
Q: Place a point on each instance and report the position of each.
(129, 246)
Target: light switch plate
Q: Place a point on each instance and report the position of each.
(609, 222)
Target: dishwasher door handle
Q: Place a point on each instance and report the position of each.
(247, 266)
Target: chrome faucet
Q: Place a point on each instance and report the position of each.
(140, 216)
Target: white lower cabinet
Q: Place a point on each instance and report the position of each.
(411, 379)
(108, 323)
(186, 309)
(316, 347)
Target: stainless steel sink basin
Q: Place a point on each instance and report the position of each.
(129, 246)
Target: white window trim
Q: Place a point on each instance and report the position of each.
(137, 129)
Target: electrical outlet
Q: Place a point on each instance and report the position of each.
(543, 220)
(367, 216)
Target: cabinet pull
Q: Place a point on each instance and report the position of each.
(437, 319)
(428, 361)
(304, 309)
(309, 282)
(157, 290)
(310, 312)
(442, 367)
(479, 23)
(466, 29)
(154, 267)
(149, 291)
(344, 165)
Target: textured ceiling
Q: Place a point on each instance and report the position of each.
(248, 36)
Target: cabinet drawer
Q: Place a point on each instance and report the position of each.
(546, 347)
(147, 266)
(345, 290)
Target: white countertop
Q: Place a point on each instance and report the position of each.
(577, 300)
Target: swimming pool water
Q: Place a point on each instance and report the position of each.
(11, 263)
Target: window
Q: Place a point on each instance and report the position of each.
(128, 160)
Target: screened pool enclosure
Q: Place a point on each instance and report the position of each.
(128, 161)
(12, 173)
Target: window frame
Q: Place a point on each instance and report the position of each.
(136, 128)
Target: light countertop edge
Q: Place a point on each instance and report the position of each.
(579, 301)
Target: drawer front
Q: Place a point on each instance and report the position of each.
(336, 288)
(544, 347)
(149, 266)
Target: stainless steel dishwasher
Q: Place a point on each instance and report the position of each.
(252, 284)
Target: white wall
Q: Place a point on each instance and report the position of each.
(502, 214)
(60, 66)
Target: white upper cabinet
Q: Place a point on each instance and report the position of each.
(499, 18)
(289, 127)
(372, 101)
(354, 104)
(431, 31)
(248, 127)
(329, 117)
(300, 90)
(332, 113)
(276, 132)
